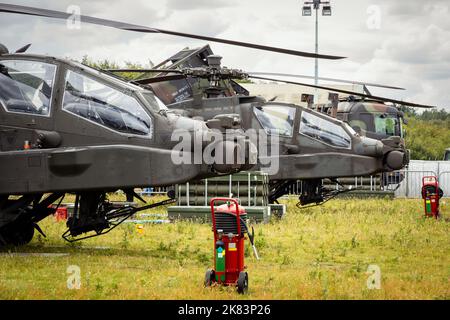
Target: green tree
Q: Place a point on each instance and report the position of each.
(428, 139)
(107, 64)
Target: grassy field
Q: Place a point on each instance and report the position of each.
(317, 253)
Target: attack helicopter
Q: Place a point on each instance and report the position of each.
(68, 128)
(193, 84)
(69, 146)
(369, 117)
(313, 146)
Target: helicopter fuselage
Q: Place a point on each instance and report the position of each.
(312, 145)
(63, 128)
(68, 128)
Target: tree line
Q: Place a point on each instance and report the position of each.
(427, 133)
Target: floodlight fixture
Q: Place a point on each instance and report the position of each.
(306, 12)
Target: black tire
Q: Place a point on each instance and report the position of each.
(17, 234)
(210, 277)
(242, 283)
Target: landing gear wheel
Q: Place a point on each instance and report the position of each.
(242, 283)
(210, 277)
(17, 234)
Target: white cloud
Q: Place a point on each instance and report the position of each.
(199, 4)
(411, 48)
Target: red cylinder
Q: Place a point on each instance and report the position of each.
(431, 196)
(234, 242)
(61, 214)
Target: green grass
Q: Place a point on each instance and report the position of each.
(316, 253)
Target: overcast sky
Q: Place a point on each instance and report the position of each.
(401, 43)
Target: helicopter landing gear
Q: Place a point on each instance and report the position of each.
(311, 193)
(315, 194)
(19, 217)
(16, 234)
(94, 214)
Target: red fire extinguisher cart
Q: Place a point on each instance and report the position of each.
(431, 193)
(229, 229)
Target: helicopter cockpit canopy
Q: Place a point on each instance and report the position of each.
(280, 120)
(26, 86)
(103, 104)
(383, 124)
(374, 118)
(276, 119)
(108, 101)
(324, 131)
(148, 96)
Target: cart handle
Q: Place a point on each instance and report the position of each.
(238, 221)
(429, 179)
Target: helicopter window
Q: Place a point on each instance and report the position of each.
(276, 119)
(26, 86)
(324, 131)
(154, 101)
(358, 125)
(102, 104)
(385, 124)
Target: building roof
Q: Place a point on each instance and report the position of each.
(291, 93)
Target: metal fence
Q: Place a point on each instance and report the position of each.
(444, 181)
(411, 185)
(154, 191)
(406, 183)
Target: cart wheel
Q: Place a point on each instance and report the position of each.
(210, 277)
(242, 283)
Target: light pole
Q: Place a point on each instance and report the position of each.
(326, 11)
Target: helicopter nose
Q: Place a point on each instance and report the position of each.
(395, 155)
(395, 160)
(391, 150)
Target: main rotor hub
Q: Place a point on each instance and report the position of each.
(214, 61)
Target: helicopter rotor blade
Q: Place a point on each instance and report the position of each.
(159, 79)
(410, 104)
(23, 49)
(324, 79)
(10, 8)
(145, 70)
